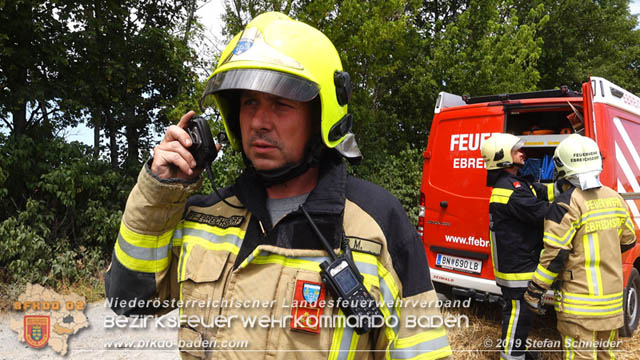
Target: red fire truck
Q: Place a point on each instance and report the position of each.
(454, 220)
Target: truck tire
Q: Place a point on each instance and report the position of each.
(631, 304)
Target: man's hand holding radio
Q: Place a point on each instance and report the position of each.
(172, 159)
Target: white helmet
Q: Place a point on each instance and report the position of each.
(496, 150)
(577, 159)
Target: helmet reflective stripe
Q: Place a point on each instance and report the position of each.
(281, 56)
(577, 155)
(496, 150)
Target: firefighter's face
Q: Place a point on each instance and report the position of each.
(518, 156)
(274, 130)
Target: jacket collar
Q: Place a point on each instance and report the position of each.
(327, 198)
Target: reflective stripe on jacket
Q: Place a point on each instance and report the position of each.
(583, 234)
(241, 267)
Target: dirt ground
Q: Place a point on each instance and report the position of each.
(478, 341)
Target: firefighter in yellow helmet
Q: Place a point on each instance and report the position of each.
(585, 232)
(516, 213)
(256, 251)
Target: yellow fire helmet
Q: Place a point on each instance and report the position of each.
(577, 159)
(278, 55)
(496, 150)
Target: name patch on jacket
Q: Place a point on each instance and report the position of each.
(365, 245)
(307, 305)
(218, 221)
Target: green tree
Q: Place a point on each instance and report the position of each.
(489, 50)
(117, 65)
(436, 15)
(583, 38)
(136, 64)
(33, 67)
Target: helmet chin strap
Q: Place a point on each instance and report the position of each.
(312, 155)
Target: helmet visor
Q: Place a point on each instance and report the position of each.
(268, 81)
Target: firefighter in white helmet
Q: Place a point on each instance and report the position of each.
(585, 231)
(254, 250)
(516, 212)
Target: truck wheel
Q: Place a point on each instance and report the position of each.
(631, 304)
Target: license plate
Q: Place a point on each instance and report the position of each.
(458, 263)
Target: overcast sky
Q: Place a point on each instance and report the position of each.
(210, 13)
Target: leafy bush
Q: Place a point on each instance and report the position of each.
(60, 210)
(24, 250)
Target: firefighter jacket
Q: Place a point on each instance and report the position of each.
(241, 267)
(516, 215)
(584, 233)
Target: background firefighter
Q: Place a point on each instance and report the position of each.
(516, 212)
(585, 232)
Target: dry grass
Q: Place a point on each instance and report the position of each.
(92, 289)
(484, 329)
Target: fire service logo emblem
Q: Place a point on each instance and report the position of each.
(36, 330)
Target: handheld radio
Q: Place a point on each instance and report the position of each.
(344, 282)
(203, 148)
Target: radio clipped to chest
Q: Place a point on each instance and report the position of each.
(345, 284)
